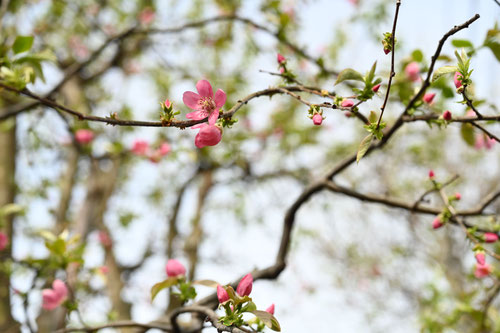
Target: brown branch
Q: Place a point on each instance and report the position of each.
(205, 311)
(393, 73)
(487, 304)
(118, 324)
(488, 133)
(426, 193)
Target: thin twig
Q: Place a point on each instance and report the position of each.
(392, 74)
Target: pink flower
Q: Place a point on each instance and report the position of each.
(457, 80)
(54, 297)
(437, 223)
(282, 70)
(147, 15)
(482, 270)
(103, 270)
(480, 258)
(347, 103)
(4, 239)
(140, 147)
(412, 71)
(429, 97)
(281, 58)
(84, 136)
(205, 104)
(317, 119)
(104, 239)
(458, 196)
(447, 115)
(270, 309)
(175, 268)
(209, 135)
(376, 88)
(488, 143)
(245, 286)
(490, 237)
(167, 103)
(222, 294)
(431, 174)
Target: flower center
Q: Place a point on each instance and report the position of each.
(207, 104)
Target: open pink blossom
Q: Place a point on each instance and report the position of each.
(429, 97)
(347, 103)
(245, 286)
(54, 297)
(4, 240)
(317, 119)
(222, 295)
(490, 237)
(209, 135)
(140, 147)
(84, 136)
(457, 80)
(482, 270)
(270, 309)
(205, 103)
(175, 268)
(412, 71)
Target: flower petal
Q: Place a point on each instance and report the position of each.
(199, 126)
(220, 98)
(204, 88)
(191, 100)
(196, 115)
(213, 117)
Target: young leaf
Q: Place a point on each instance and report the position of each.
(162, 285)
(492, 42)
(349, 74)
(462, 43)
(22, 44)
(206, 283)
(363, 147)
(268, 319)
(467, 132)
(442, 71)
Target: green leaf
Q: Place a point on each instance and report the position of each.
(11, 209)
(442, 71)
(363, 147)
(492, 42)
(349, 74)
(206, 283)
(373, 117)
(467, 132)
(268, 319)
(162, 285)
(22, 44)
(371, 74)
(462, 43)
(417, 55)
(249, 307)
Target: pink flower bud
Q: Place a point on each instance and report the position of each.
(482, 270)
(270, 309)
(458, 196)
(376, 88)
(447, 115)
(164, 149)
(175, 268)
(140, 147)
(347, 103)
(222, 294)
(104, 239)
(437, 223)
(147, 15)
(245, 286)
(317, 119)
(431, 174)
(488, 143)
(84, 136)
(167, 103)
(209, 135)
(412, 71)
(480, 258)
(387, 51)
(490, 237)
(103, 270)
(429, 97)
(281, 59)
(4, 239)
(282, 70)
(54, 297)
(456, 80)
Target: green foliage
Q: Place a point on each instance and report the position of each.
(492, 41)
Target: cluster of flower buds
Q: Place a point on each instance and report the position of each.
(142, 148)
(281, 63)
(483, 269)
(387, 42)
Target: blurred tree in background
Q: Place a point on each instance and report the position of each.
(359, 176)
